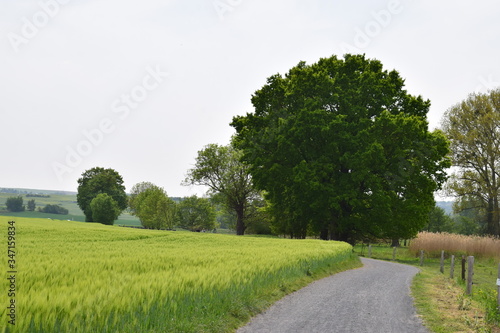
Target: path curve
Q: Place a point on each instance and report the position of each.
(373, 298)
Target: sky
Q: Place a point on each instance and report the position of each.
(142, 86)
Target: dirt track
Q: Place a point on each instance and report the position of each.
(374, 298)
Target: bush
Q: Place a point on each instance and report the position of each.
(53, 209)
(104, 209)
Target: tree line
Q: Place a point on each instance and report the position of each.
(337, 150)
(102, 197)
(16, 204)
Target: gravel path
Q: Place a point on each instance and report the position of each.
(374, 298)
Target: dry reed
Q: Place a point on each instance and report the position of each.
(434, 243)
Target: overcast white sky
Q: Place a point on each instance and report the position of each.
(84, 83)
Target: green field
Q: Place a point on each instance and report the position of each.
(87, 277)
(67, 201)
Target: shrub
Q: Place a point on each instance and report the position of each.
(53, 209)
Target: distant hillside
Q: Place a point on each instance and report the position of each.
(34, 191)
(446, 205)
(64, 199)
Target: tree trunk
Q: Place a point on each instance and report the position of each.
(395, 242)
(323, 234)
(496, 217)
(240, 223)
(490, 221)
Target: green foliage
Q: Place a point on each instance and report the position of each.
(53, 209)
(134, 192)
(259, 218)
(99, 180)
(104, 209)
(15, 204)
(31, 205)
(220, 169)
(196, 214)
(439, 221)
(465, 225)
(342, 150)
(473, 128)
(152, 206)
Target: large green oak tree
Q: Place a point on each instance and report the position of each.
(343, 151)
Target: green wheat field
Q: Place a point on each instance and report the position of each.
(87, 277)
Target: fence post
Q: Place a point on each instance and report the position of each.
(369, 250)
(421, 257)
(498, 287)
(470, 273)
(463, 267)
(394, 253)
(452, 266)
(441, 263)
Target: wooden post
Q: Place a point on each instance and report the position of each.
(470, 273)
(441, 263)
(394, 253)
(452, 266)
(421, 257)
(498, 287)
(369, 250)
(463, 268)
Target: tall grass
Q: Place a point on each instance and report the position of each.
(85, 277)
(434, 243)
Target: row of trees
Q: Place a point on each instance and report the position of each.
(337, 149)
(101, 196)
(15, 204)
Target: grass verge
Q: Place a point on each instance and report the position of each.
(441, 301)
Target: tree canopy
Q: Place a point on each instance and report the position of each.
(196, 214)
(341, 149)
(152, 206)
(99, 180)
(473, 128)
(15, 204)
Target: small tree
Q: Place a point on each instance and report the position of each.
(220, 169)
(104, 209)
(154, 208)
(31, 205)
(15, 204)
(196, 214)
(133, 202)
(99, 180)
